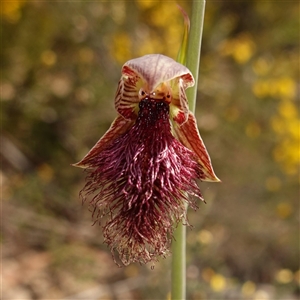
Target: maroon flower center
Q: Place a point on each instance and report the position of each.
(153, 112)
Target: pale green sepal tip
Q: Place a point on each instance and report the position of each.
(181, 56)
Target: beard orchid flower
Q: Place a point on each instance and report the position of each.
(142, 173)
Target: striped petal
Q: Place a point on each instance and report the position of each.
(127, 99)
(157, 68)
(118, 127)
(179, 108)
(189, 136)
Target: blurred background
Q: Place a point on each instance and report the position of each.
(60, 65)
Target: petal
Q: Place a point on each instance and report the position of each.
(127, 99)
(156, 68)
(179, 107)
(189, 136)
(118, 127)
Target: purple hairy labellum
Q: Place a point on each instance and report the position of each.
(143, 171)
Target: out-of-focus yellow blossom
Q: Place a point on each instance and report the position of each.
(165, 17)
(297, 277)
(121, 47)
(284, 210)
(164, 14)
(261, 66)
(283, 87)
(173, 34)
(286, 87)
(261, 88)
(205, 237)
(118, 11)
(169, 296)
(145, 4)
(248, 288)
(240, 48)
(150, 45)
(11, 10)
(48, 58)
(286, 153)
(168, 18)
(218, 282)
(287, 109)
(286, 124)
(293, 129)
(284, 276)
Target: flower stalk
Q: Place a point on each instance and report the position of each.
(192, 57)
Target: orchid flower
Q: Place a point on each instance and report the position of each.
(144, 170)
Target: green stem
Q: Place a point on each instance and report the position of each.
(179, 264)
(178, 291)
(194, 48)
